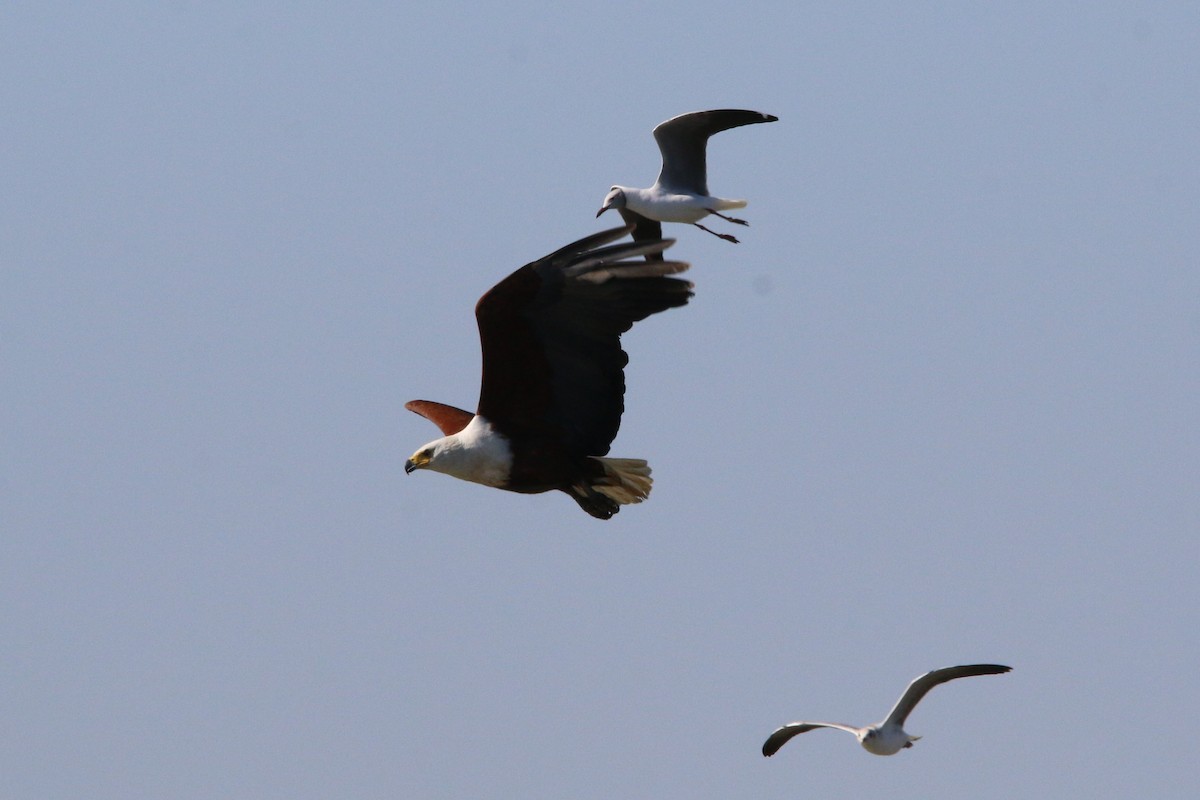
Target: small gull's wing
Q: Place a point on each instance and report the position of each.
(644, 230)
(919, 687)
(449, 419)
(683, 140)
(781, 736)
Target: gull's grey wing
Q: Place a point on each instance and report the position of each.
(683, 140)
(644, 230)
(781, 735)
(919, 687)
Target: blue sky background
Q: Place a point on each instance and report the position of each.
(940, 406)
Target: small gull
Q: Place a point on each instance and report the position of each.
(888, 737)
(681, 192)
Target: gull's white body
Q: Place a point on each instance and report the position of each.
(669, 205)
(884, 739)
(887, 737)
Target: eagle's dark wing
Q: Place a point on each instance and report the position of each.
(553, 367)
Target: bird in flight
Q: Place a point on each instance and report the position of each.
(553, 386)
(888, 737)
(681, 192)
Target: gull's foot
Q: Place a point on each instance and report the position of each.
(724, 236)
(734, 220)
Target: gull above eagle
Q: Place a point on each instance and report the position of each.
(681, 192)
(553, 386)
(888, 737)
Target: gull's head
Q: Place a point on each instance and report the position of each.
(614, 199)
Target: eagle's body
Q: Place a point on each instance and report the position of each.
(553, 386)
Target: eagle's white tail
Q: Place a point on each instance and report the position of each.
(626, 480)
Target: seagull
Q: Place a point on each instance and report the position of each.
(681, 192)
(888, 737)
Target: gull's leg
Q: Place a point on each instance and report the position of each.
(734, 220)
(724, 236)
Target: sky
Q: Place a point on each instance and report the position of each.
(938, 407)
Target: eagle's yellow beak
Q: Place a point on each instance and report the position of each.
(418, 460)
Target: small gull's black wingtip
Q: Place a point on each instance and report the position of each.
(778, 738)
(992, 669)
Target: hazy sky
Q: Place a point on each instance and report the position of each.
(939, 407)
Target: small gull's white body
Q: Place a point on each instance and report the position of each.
(681, 192)
(666, 205)
(887, 737)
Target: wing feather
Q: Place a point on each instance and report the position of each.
(781, 736)
(683, 140)
(450, 420)
(644, 230)
(921, 686)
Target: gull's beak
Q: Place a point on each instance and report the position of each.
(614, 199)
(409, 466)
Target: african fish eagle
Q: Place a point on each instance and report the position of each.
(553, 383)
